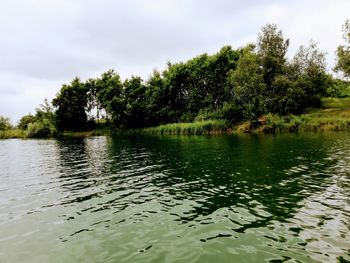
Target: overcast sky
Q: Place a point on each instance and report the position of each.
(45, 43)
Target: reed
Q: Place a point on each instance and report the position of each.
(192, 128)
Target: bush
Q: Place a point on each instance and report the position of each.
(25, 120)
(229, 112)
(339, 89)
(41, 129)
(275, 122)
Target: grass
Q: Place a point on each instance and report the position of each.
(193, 128)
(21, 134)
(334, 115)
(336, 103)
(12, 134)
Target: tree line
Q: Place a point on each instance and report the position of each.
(233, 84)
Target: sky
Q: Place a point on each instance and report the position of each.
(46, 43)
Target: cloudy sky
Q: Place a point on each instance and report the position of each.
(45, 43)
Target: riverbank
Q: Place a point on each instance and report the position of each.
(334, 115)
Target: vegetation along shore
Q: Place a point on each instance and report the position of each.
(255, 88)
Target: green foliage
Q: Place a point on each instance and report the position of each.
(229, 112)
(339, 89)
(288, 96)
(5, 123)
(277, 123)
(71, 103)
(343, 52)
(12, 133)
(135, 102)
(41, 129)
(304, 83)
(25, 121)
(194, 128)
(334, 116)
(40, 125)
(309, 64)
(336, 103)
(248, 85)
(231, 85)
(272, 49)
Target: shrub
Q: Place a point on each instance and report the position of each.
(339, 89)
(25, 120)
(229, 112)
(41, 129)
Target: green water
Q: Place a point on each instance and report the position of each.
(265, 198)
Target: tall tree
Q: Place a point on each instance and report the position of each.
(248, 84)
(272, 48)
(157, 105)
(25, 120)
(109, 88)
(5, 123)
(71, 105)
(135, 102)
(343, 52)
(308, 70)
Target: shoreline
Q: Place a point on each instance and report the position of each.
(176, 129)
(334, 115)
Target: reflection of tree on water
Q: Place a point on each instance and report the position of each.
(270, 174)
(254, 182)
(273, 174)
(82, 163)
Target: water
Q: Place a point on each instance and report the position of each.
(265, 198)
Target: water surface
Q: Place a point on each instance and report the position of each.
(265, 198)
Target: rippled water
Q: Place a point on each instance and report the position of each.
(176, 199)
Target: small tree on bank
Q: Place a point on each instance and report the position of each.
(5, 123)
(343, 52)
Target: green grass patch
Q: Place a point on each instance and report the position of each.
(336, 103)
(307, 122)
(12, 134)
(334, 115)
(192, 128)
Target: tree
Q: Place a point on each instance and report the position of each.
(71, 103)
(309, 60)
(25, 120)
(308, 70)
(177, 80)
(5, 123)
(135, 102)
(289, 96)
(272, 49)
(247, 84)
(220, 64)
(157, 100)
(45, 111)
(108, 89)
(41, 129)
(343, 52)
(93, 103)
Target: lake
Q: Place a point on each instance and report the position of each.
(237, 198)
